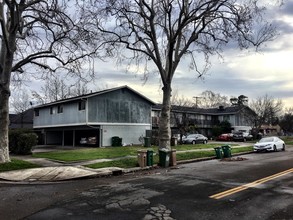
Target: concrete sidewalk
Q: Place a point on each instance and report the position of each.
(53, 174)
(52, 171)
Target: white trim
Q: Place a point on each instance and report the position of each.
(91, 123)
(60, 125)
(118, 124)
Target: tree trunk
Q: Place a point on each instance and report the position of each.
(4, 119)
(164, 126)
(6, 60)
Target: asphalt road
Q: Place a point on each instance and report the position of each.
(258, 187)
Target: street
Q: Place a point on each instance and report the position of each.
(253, 186)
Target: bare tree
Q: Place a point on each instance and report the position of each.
(79, 88)
(181, 100)
(38, 36)
(267, 110)
(21, 101)
(161, 33)
(209, 99)
(56, 88)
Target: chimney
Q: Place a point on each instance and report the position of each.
(221, 108)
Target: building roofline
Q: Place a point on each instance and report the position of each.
(210, 111)
(89, 95)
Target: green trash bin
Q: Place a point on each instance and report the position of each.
(147, 141)
(227, 151)
(219, 153)
(116, 141)
(164, 157)
(150, 158)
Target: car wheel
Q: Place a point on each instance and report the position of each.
(205, 141)
(193, 142)
(283, 148)
(244, 139)
(275, 148)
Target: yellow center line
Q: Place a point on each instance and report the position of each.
(249, 185)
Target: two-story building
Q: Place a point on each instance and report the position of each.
(203, 119)
(21, 120)
(95, 118)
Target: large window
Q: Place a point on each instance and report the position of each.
(81, 105)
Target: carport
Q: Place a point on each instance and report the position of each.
(73, 136)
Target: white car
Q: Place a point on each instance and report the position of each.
(269, 144)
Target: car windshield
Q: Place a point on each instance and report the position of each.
(267, 139)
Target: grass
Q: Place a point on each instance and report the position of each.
(91, 153)
(116, 152)
(185, 147)
(123, 163)
(288, 140)
(132, 162)
(17, 165)
(108, 153)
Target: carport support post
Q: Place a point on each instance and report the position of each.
(45, 138)
(73, 136)
(62, 138)
(101, 136)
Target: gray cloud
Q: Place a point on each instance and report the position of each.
(287, 8)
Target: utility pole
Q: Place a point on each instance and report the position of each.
(196, 100)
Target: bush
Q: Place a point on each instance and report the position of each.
(22, 141)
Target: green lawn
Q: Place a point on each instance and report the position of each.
(17, 165)
(132, 162)
(116, 152)
(288, 140)
(91, 153)
(108, 152)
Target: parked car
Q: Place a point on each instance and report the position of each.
(89, 140)
(269, 144)
(242, 136)
(83, 141)
(195, 139)
(225, 137)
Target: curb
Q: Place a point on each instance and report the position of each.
(102, 172)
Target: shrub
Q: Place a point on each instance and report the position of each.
(22, 141)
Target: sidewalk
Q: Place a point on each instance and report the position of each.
(52, 171)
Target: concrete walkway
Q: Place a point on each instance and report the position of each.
(53, 174)
(52, 171)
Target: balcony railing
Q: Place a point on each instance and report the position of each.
(201, 123)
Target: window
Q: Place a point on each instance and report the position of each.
(226, 117)
(60, 109)
(37, 112)
(81, 105)
(53, 110)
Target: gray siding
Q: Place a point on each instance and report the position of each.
(70, 116)
(121, 106)
(129, 134)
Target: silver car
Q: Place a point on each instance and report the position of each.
(195, 139)
(269, 144)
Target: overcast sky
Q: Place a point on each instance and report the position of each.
(240, 73)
